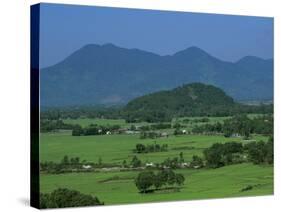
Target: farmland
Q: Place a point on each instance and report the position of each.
(116, 148)
(118, 187)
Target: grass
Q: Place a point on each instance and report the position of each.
(119, 188)
(116, 148)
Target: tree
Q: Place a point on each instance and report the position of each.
(124, 163)
(177, 131)
(133, 127)
(196, 161)
(260, 152)
(65, 161)
(75, 161)
(62, 197)
(140, 148)
(77, 130)
(171, 177)
(213, 155)
(135, 162)
(159, 180)
(179, 179)
(181, 157)
(100, 161)
(144, 181)
(222, 154)
(270, 151)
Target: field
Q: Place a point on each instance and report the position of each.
(115, 187)
(116, 148)
(200, 184)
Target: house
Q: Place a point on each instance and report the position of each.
(130, 132)
(100, 131)
(184, 165)
(149, 164)
(86, 166)
(164, 134)
(183, 131)
(108, 133)
(235, 135)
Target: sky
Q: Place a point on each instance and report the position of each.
(66, 28)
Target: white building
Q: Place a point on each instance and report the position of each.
(86, 166)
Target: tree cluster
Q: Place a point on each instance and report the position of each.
(141, 148)
(178, 131)
(223, 154)
(149, 181)
(239, 124)
(65, 165)
(94, 129)
(63, 197)
(173, 163)
(260, 152)
(219, 155)
(196, 161)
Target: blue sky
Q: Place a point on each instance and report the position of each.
(66, 28)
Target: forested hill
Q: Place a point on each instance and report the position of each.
(195, 99)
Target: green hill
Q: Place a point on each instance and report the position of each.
(195, 99)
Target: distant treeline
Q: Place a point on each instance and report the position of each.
(158, 126)
(239, 124)
(132, 115)
(94, 129)
(204, 119)
(65, 165)
(55, 113)
(71, 164)
(47, 125)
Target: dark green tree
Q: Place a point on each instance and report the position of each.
(135, 162)
(62, 197)
(179, 179)
(144, 181)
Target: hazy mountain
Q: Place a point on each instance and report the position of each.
(107, 74)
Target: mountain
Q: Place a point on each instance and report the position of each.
(195, 99)
(109, 75)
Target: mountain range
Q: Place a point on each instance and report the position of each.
(111, 75)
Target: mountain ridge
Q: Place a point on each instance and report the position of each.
(150, 52)
(114, 75)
